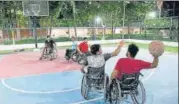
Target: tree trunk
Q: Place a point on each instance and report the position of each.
(112, 26)
(50, 26)
(74, 16)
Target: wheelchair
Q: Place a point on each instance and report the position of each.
(49, 53)
(92, 83)
(76, 57)
(68, 54)
(128, 85)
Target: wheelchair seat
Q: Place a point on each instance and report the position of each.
(129, 81)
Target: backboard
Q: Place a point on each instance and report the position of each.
(35, 8)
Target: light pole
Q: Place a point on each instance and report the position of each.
(97, 20)
(124, 14)
(124, 11)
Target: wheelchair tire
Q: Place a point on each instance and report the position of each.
(81, 60)
(67, 58)
(40, 58)
(106, 84)
(74, 56)
(115, 92)
(135, 94)
(84, 88)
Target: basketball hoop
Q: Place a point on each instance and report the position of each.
(35, 8)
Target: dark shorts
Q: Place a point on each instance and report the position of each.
(69, 52)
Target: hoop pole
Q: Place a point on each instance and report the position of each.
(13, 37)
(34, 32)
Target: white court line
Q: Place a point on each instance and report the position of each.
(86, 101)
(150, 75)
(42, 74)
(35, 92)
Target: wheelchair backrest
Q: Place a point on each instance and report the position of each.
(130, 80)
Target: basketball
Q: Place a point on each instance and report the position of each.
(156, 48)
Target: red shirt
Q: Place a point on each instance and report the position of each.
(83, 47)
(130, 66)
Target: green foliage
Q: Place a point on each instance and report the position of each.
(62, 13)
(160, 23)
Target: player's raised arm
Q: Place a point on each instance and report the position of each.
(117, 50)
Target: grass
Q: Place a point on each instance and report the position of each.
(6, 52)
(12, 51)
(143, 46)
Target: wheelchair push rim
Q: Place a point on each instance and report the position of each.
(139, 95)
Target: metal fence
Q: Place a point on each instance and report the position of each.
(149, 29)
(164, 28)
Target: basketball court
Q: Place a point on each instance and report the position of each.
(27, 80)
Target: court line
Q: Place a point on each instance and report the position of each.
(67, 66)
(86, 101)
(91, 100)
(50, 92)
(150, 75)
(35, 92)
(41, 74)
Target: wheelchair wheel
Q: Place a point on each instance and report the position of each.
(81, 59)
(43, 56)
(74, 56)
(106, 83)
(55, 54)
(139, 95)
(115, 92)
(40, 58)
(84, 87)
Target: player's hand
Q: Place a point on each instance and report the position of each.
(121, 43)
(155, 56)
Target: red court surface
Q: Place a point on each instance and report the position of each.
(28, 63)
